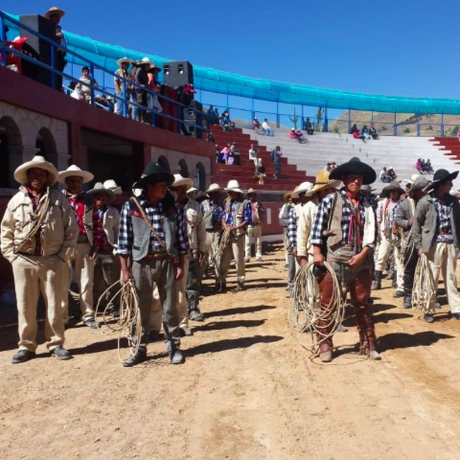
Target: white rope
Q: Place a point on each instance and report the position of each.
(423, 292)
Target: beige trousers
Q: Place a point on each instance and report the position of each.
(181, 298)
(32, 275)
(156, 313)
(83, 269)
(234, 249)
(443, 255)
(384, 253)
(212, 244)
(256, 232)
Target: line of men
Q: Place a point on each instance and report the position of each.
(159, 240)
(347, 228)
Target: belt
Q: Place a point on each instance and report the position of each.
(157, 256)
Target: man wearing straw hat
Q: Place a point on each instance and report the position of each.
(436, 233)
(38, 237)
(106, 222)
(142, 79)
(322, 187)
(390, 236)
(55, 15)
(255, 226)
(235, 220)
(119, 84)
(404, 219)
(187, 288)
(345, 225)
(212, 215)
(85, 252)
(153, 235)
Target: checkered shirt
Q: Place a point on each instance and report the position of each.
(154, 214)
(443, 210)
(323, 213)
(229, 219)
(381, 214)
(292, 228)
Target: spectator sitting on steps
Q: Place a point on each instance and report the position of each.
(355, 132)
(227, 124)
(266, 129)
(308, 127)
(391, 174)
(255, 124)
(235, 153)
(384, 177)
(225, 152)
(261, 172)
(365, 134)
(253, 157)
(373, 132)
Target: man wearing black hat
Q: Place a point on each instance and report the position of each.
(436, 233)
(153, 234)
(390, 236)
(345, 224)
(405, 219)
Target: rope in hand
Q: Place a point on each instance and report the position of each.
(37, 219)
(306, 316)
(224, 240)
(129, 323)
(423, 292)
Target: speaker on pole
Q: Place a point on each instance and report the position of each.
(192, 118)
(177, 73)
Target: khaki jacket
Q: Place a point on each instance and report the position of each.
(59, 230)
(305, 221)
(196, 230)
(111, 225)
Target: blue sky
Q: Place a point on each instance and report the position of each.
(404, 48)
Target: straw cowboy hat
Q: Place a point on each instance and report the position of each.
(391, 187)
(99, 188)
(193, 189)
(304, 187)
(213, 188)
(74, 170)
(323, 182)
(419, 183)
(354, 167)
(146, 60)
(20, 175)
(124, 59)
(440, 176)
(179, 180)
(233, 186)
(286, 196)
(153, 174)
(113, 186)
(54, 10)
(251, 191)
(154, 67)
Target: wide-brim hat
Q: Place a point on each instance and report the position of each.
(179, 180)
(354, 167)
(20, 174)
(324, 182)
(233, 186)
(367, 188)
(287, 195)
(99, 188)
(250, 192)
(440, 176)
(214, 188)
(74, 170)
(154, 67)
(304, 187)
(54, 10)
(391, 187)
(153, 174)
(124, 59)
(192, 189)
(146, 60)
(112, 185)
(419, 183)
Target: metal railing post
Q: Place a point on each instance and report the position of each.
(53, 65)
(152, 117)
(277, 114)
(3, 39)
(326, 121)
(92, 82)
(253, 113)
(395, 126)
(418, 125)
(349, 121)
(302, 118)
(179, 112)
(125, 104)
(442, 125)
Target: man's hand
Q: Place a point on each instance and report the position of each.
(126, 276)
(410, 222)
(357, 260)
(394, 228)
(318, 259)
(421, 252)
(200, 256)
(294, 252)
(179, 273)
(303, 261)
(93, 254)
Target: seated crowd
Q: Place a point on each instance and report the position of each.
(424, 166)
(366, 133)
(387, 175)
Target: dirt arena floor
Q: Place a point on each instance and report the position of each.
(247, 390)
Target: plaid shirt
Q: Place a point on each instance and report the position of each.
(292, 229)
(154, 214)
(382, 216)
(217, 211)
(322, 218)
(229, 219)
(443, 210)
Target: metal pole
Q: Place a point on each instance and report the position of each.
(3, 39)
(349, 120)
(253, 112)
(395, 127)
(326, 122)
(277, 114)
(228, 102)
(418, 125)
(372, 117)
(92, 83)
(442, 125)
(303, 118)
(125, 104)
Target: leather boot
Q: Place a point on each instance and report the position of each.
(377, 284)
(194, 313)
(325, 351)
(367, 333)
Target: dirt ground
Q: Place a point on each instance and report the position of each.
(246, 391)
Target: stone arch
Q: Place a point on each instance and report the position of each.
(164, 163)
(200, 179)
(47, 146)
(10, 151)
(183, 168)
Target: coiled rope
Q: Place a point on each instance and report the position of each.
(129, 323)
(224, 240)
(423, 292)
(306, 316)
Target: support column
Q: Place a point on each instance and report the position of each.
(395, 126)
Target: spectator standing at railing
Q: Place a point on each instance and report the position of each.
(142, 79)
(122, 73)
(154, 103)
(85, 89)
(55, 15)
(266, 128)
(276, 158)
(132, 91)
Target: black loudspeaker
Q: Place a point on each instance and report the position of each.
(192, 118)
(36, 47)
(177, 73)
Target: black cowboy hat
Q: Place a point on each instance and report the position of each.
(391, 187)
(354, 167)
(441, 176)
(154, 173)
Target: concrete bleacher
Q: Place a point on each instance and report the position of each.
(399, 152)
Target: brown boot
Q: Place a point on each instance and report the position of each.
(325, 351)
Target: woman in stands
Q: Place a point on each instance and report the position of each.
(365, 134)
(355, 131)
(373, 132)
(225, 152)
(228, 125)
(300, 137)
(235, 153)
